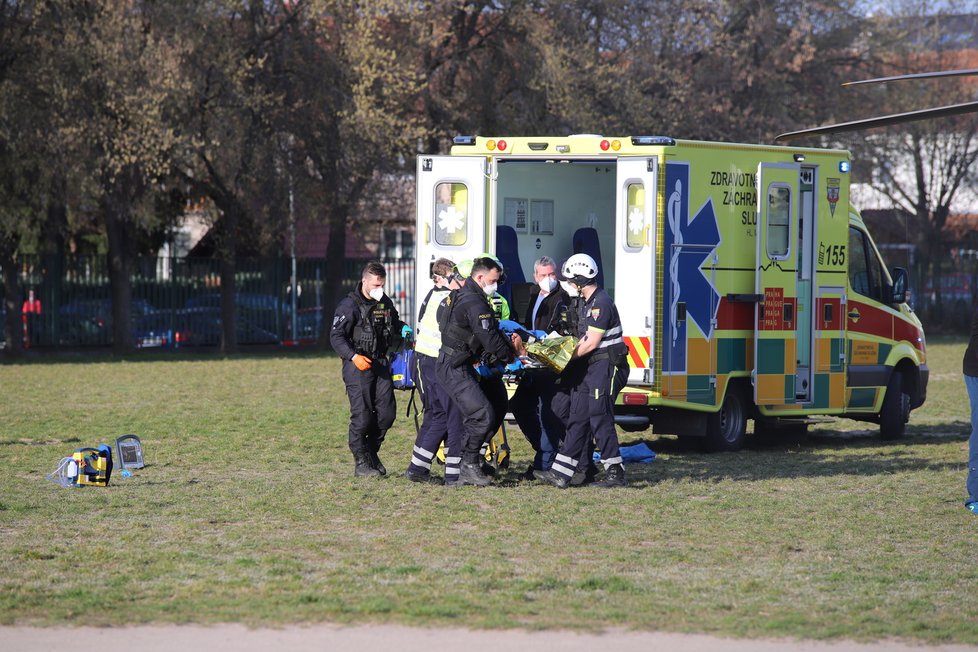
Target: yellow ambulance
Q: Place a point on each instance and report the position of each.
(747, 285)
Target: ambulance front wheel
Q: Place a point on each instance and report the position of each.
(727, 429)
(895, 412)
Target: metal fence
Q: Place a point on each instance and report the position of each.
(945, 304)
(176, 301)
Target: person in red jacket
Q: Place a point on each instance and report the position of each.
(29, 313)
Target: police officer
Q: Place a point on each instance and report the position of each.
(598, 370)
(471, 340)
(442, 420)
(532, 404)
(366, 327)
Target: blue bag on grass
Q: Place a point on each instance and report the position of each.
(639, 453)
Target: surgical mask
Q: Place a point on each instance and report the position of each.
(547, 284)
(570, 289)
(490, 289)
(376, 294)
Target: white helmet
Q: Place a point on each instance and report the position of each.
(580, 269)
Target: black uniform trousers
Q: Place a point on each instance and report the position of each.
(442, 421)
(592, 403)
(482, 403)
(372, 405)
(541, 410)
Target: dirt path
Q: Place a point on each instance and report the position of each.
(237, 638)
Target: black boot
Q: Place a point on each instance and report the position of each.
(377, 464)
(426, 478)
(364, 466)
(614, 476)
(551, 477)
(585, 474)
(470, 471)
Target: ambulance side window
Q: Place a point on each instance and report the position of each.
(865, 268)
(451, 224)
(778, 220)
(635, 217)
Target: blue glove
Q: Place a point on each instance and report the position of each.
(514, 366)
(407, 333)
(483, 371)
(508, 326)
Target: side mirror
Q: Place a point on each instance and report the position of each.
(900, 282)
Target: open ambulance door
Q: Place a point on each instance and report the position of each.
(637, 181)
(451, 219)
(775, 316)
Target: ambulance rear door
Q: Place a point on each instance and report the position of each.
(775, 334)
(637, 181)
(451, 220)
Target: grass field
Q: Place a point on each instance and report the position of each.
(248, 512)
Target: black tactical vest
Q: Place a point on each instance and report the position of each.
(372, 334)
(456, 338)
(569, 316)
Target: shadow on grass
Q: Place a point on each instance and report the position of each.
(821, 453)
(101, 355)
(39, 442)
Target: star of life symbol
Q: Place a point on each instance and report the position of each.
(451, 220)
(696, 289)
(636, 221)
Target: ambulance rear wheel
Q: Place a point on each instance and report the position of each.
(727, 429)
(895, 411)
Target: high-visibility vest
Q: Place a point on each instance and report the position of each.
(428, 334)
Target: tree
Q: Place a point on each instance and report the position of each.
(353, 112)
(739, 70)
(231, 111)
(112, 78)
(923, 169)
(19, 171)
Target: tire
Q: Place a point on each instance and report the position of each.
(727, 429)
(895, 411)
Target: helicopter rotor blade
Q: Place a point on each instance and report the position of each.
(881, 121)
(920, 75)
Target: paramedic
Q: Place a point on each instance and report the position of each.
(970, 365)
(442, 421)
(473, 348)
(532, 403)
(366, 327)
(597, 372)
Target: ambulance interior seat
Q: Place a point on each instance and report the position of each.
(586, 242)
(508, 253)
(520, 302)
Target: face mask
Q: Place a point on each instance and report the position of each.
(570, 289)
(547, 284)
(376, 294)
(490, 289)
